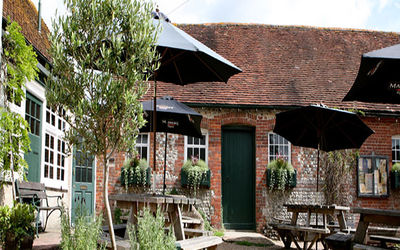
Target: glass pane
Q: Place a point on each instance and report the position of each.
(47, 116)
(32, 125)
(51, 142)
(62, 174)
(53, 120)
(397, 155)
(58, 160)
(78, 174)
(32, 113)
(144, 153)
(271, 139)
(46, 155)
(189, 153)
(46, 141)
(51, 157)
(37, 131)
(196, 152)
(59, 124)
(62, 161)
(46, 171)
(196, 141)
(203, 140)
(203, 154)
(27, 105)
(89, 177)
(145, 138)
(190, 140)
(37, 115)
(51, 172)
(58, 173)
(393, 156)
(280, 139)
(83, 177)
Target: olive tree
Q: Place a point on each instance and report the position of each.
(103, 53)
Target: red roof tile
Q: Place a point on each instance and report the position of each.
(283, 65)
(25, 13)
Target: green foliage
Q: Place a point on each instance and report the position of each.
(281, 174)
(134, 172)
(103, 53)
(337, 169)
(219, 233)
(17, 222)
(396, 167)
(19, 64)
(14, 139)
(196, 170)
(207, 225)
(83, 235)
(149, 232)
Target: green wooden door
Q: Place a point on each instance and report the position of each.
(238, 178)
(33, 111)
(83, 174)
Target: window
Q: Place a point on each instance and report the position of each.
(56, 118)
(372, 173)
(197, 147)
(50, 116)
(278, 147)
(395, 149)
(142, 145)
(54, 149)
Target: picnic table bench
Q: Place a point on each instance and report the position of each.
(294, 232)
(378, 216)
(209, 242)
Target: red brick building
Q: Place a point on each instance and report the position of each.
(283, 67)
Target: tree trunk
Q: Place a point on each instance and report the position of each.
(107, 203)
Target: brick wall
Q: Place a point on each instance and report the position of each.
(269, 204)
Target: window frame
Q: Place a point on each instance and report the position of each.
(144, 145)
(289, 145)
(374, 168)
(396, 137)
(205, 134)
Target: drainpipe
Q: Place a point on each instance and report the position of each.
(40, 16)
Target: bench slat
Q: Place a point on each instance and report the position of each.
(303, 228)
(385, 238)
(199, 242)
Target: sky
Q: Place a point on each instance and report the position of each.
(382, 15)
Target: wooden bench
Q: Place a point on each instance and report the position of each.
(289, 233)
(209, 242)
(383, 239)
(34, 193)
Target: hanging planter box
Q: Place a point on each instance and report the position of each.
(205, 180)
(290, 183)
(133, 179)
(395, 179)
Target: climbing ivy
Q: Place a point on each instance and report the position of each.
(19, 64)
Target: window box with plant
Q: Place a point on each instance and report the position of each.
(17, 229)
(281, 175)
(135, 172)
(395, 176)
(195, 173)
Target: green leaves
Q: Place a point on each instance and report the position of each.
(195, 169)
(101, 53)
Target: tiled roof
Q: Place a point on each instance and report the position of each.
(25, 13)
(283, 65)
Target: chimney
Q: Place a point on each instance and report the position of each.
(40, 16)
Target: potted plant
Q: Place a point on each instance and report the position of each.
(280, 175)
(135, 172)
(17, 228)
(195, 173)
(395, 176)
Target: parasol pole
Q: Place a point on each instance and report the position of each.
(165, 161)
(318, 167)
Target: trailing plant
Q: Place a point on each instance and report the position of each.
(337, 169)
(196, 170)
(134, 172)
(84, 234)
(16, 223)
(396, 167)
(281, 174)
(19, 64)
(149, 232)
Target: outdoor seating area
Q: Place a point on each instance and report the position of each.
(336, 234)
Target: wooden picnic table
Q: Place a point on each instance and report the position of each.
(171, 204)
(378, 216)
(293, 232)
